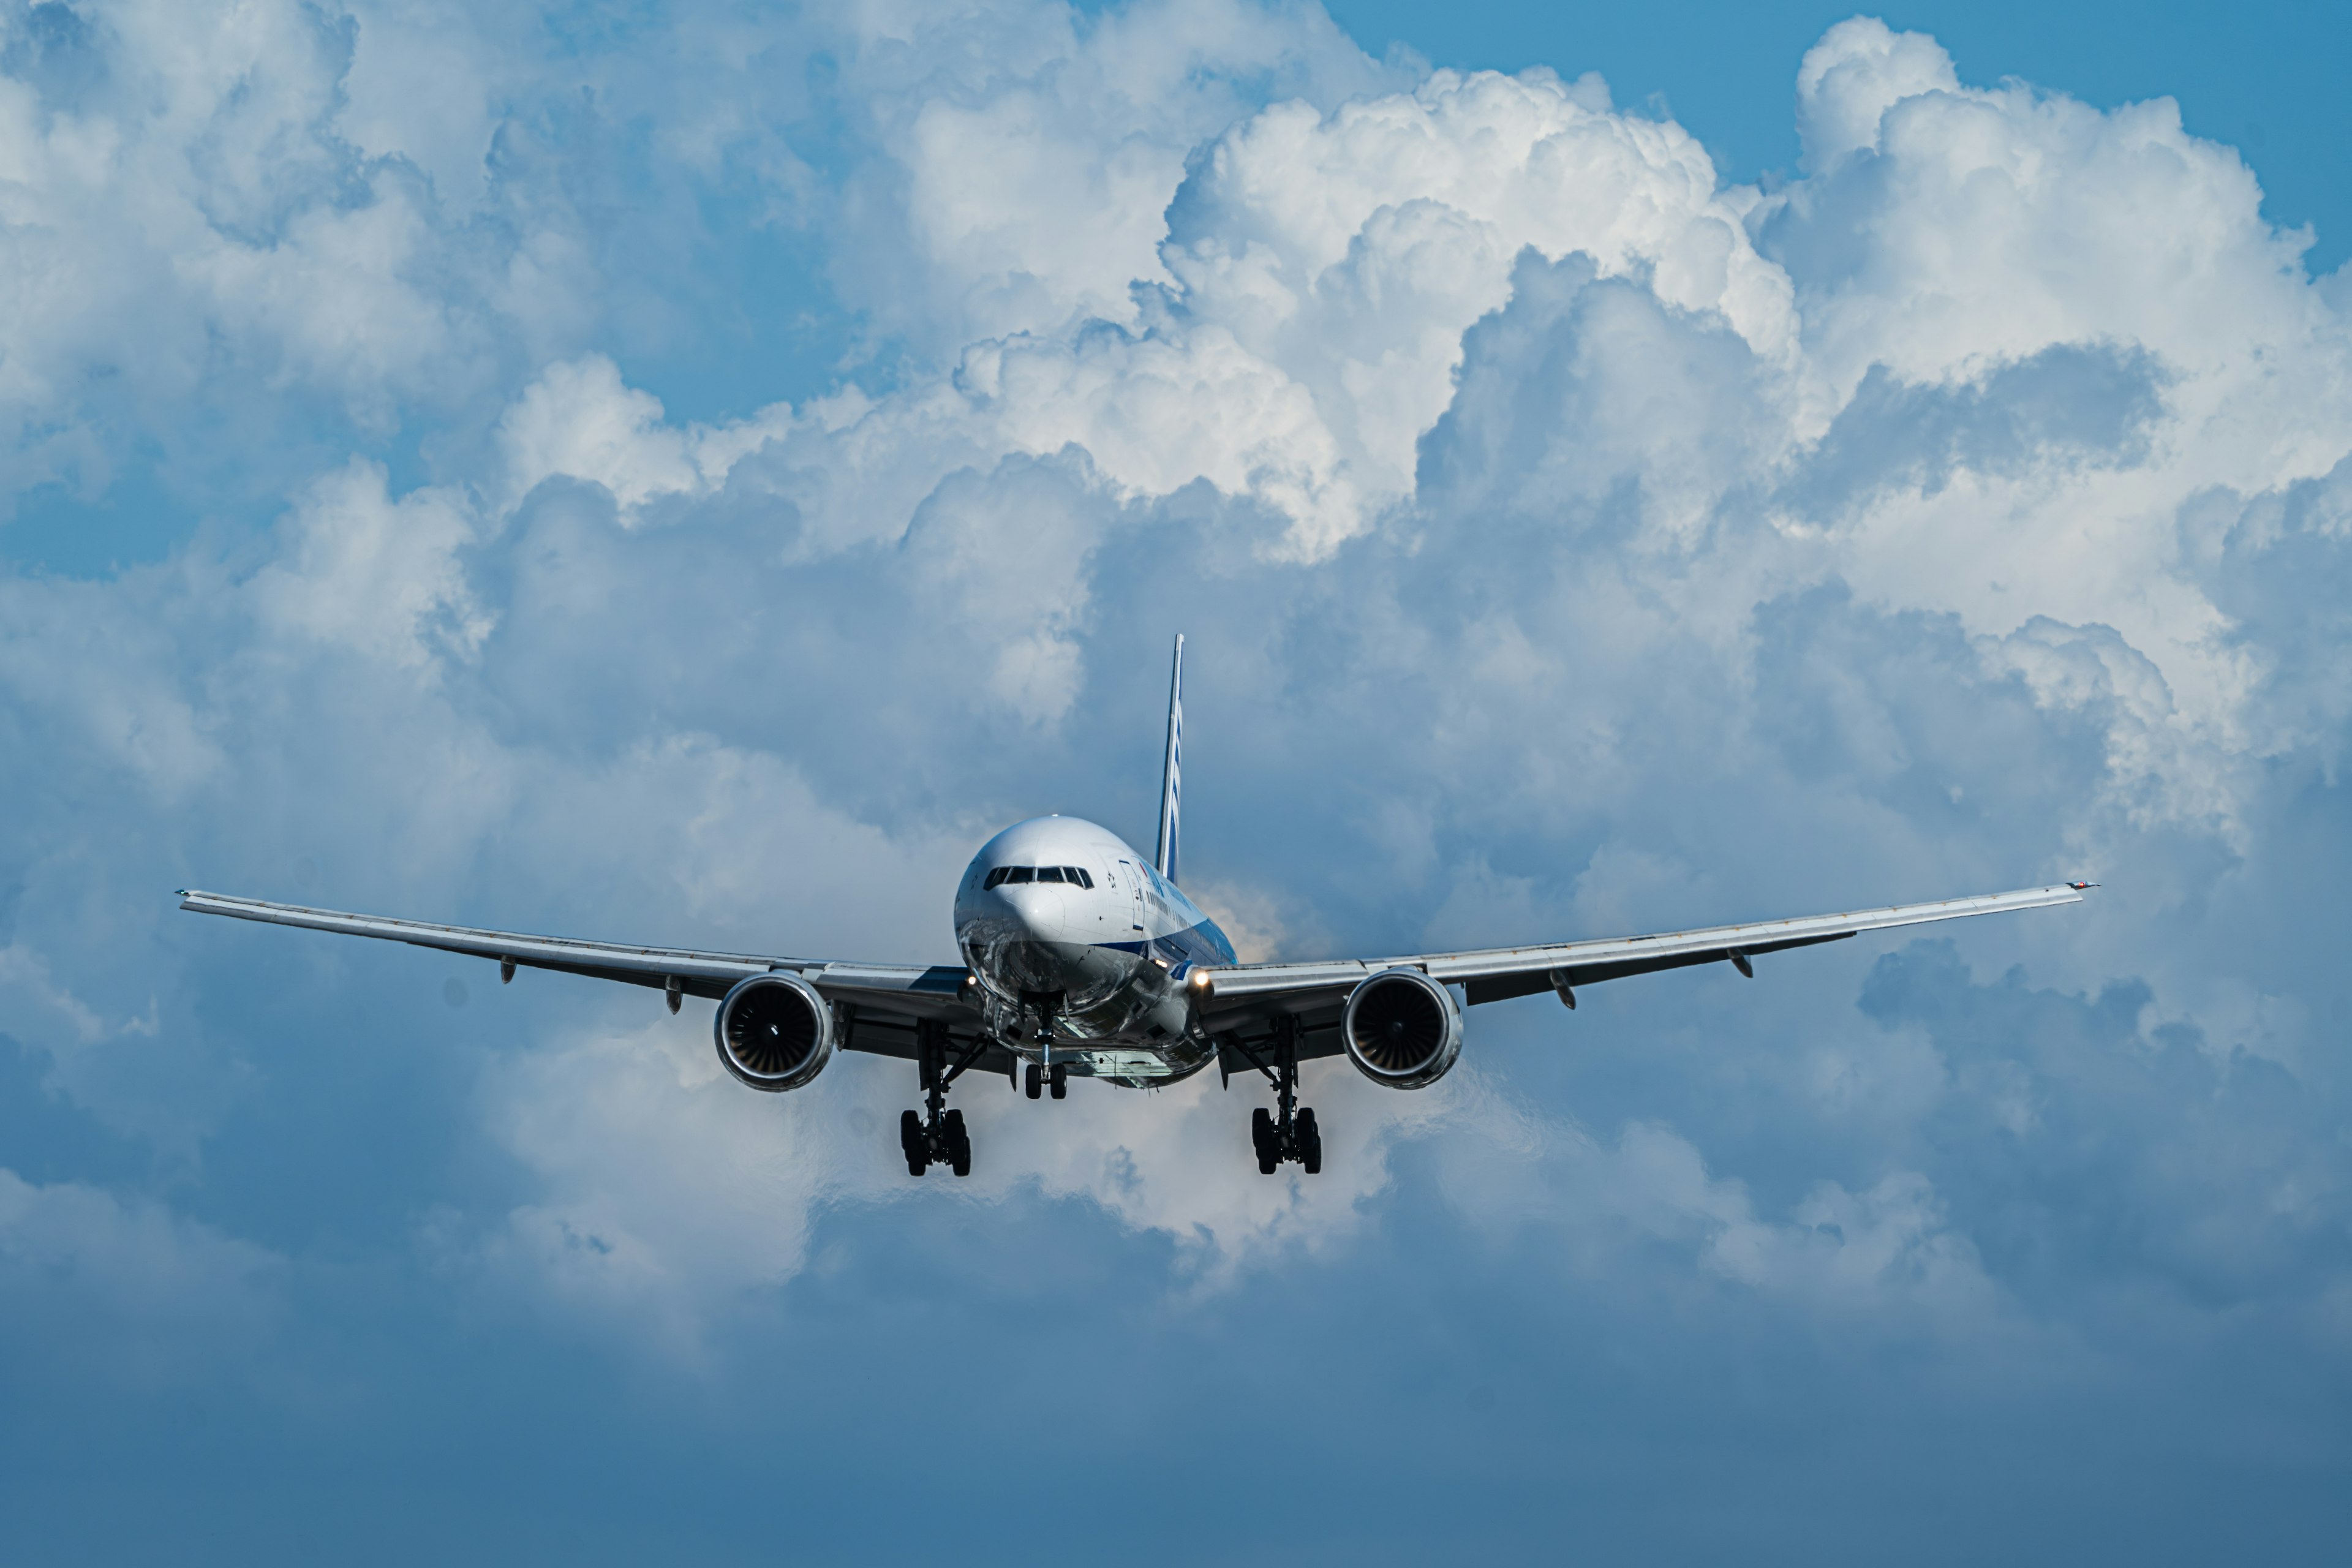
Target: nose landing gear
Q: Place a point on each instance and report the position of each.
(937, 1137)
(1048, 1006)
(1289, 1134)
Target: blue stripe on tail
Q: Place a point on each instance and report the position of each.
(1172, 776)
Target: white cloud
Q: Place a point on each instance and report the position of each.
(380, 576)
(1858, 71)
(1039, 148)
(671, 1196)
(1480, 421)
(423, 86)
(578, 419)
(100, 679)
(1326, 266)
(1888, 1255)
(38, 1006)
(128, 1291)
(1852, 1251)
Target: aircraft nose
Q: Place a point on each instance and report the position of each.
(1038, 912)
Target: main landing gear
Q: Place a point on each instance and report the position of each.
(1290, 1134)
(937, 1137)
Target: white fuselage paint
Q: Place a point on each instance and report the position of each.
(1110, 960)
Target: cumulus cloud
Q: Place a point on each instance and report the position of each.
(1571, 543)
(578, 420)
(672, 1199)
(125, 1290)
(1031, 152)
(374, 575)
(187, 214)
(1857, 72)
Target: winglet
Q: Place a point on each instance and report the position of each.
(1172, 772)
(2082, 887)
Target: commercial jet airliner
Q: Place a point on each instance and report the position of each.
(1082, 958)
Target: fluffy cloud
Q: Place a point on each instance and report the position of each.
(1570, 543)
(674, 1201)
(125, 1290)
(579, 421)
(1031, 153)
(185, 214)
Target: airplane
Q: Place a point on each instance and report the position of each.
(1083, 958)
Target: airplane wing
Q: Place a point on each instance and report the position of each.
(882, 1002)
(1235, 997)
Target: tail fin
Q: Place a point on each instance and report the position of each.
(1172, 776)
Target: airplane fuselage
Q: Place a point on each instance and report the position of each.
(1082, 951)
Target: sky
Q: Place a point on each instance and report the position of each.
(690, 474)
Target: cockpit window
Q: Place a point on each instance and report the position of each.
(1075, 876)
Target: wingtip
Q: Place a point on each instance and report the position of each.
(2082, 887)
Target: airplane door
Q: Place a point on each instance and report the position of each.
(1134, 878)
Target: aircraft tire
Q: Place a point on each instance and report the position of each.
(1034, 1080)
(1310, 1144)
(1061, 1081)
(958, 1145)
(911, 1143)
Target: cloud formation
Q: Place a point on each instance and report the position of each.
(1570, 543)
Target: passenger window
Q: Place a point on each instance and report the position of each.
(1019, 873)
(1049, 873)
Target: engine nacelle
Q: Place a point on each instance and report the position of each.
(1401, 1028)
(774, 1031)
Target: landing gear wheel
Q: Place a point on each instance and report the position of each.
(1034, 1080)
(958, 1145)
(1289, 1134)
(1266, 1140)
(1061, 1080)
(935, 1135)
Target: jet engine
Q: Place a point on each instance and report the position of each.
(775, 1032)
(1401, 1028)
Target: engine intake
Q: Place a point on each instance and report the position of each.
(774, 1031)
(1401, 1028)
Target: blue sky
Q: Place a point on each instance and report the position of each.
(691, 474)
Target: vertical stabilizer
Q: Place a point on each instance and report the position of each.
(1171, 775)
